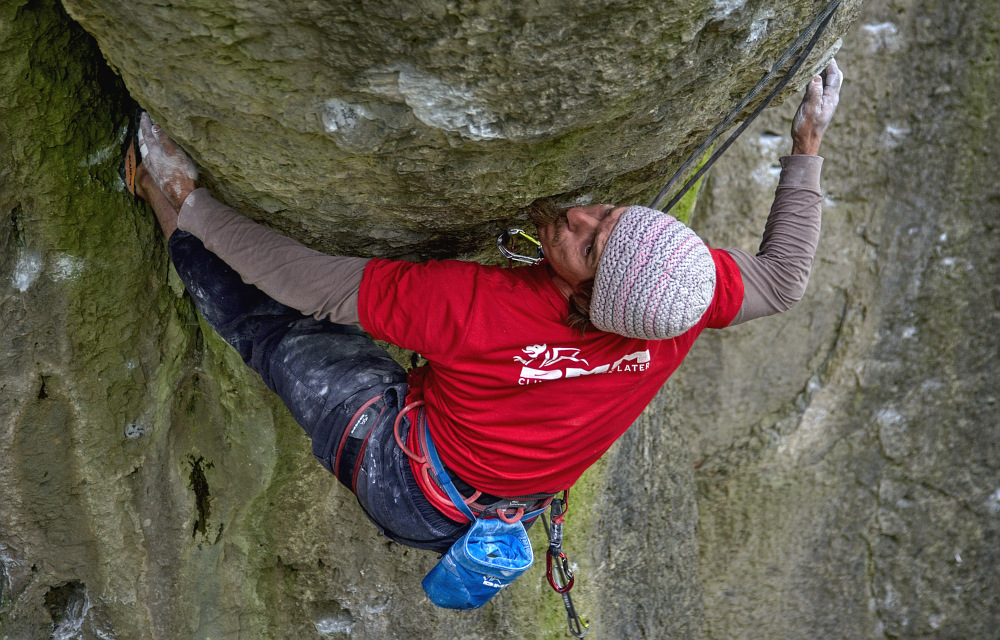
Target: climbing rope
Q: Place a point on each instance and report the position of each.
(816, 27)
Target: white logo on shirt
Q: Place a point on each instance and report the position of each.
(536, 367)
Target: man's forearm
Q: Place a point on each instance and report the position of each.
(314, 283)
(776, 278)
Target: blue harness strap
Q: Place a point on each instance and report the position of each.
(449, 487)
(442, 476)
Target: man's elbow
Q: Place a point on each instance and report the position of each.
(784, 302)
(790, 291)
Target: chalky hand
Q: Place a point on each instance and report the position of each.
(172, 170)
(816, 111)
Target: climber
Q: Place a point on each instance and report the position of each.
(532, 372)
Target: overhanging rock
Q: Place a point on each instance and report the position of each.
(380, 127)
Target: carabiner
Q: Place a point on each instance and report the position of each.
(559, 573)
(506, 238)
(577, 625)
(562, 578)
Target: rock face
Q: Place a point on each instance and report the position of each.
(849, 483)
(380, 126)
(152, 487)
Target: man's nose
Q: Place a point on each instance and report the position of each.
(578, 219)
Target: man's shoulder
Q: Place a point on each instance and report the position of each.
(489, 275)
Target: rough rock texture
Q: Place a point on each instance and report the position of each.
(849, 485)
(376, 125)
(152, 488)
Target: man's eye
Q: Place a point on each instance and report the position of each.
(586, 251)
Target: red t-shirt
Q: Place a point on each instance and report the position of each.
(517, 402)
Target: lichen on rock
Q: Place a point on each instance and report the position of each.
(152, 487)
(376, 128)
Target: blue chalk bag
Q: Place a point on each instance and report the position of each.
(490, 556)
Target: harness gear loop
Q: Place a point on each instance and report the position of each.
(399, 441)
(502, 514)
(557, 566)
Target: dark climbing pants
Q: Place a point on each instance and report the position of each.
(324, 373)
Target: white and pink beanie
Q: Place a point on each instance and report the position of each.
(655, 278)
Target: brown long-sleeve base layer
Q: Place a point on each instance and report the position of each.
(327, 287)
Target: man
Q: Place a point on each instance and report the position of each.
(533, 372)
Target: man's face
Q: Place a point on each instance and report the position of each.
(575, 241)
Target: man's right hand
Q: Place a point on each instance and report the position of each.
(816, 110)
(172, 170)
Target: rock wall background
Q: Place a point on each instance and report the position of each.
(846, 453)
(849, 451)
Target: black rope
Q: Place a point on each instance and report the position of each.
(819, 24)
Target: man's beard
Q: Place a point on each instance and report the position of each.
(545, 213)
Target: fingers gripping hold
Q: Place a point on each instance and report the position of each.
(814, 90)
(832, 78)
(172, 170)
(817, 109)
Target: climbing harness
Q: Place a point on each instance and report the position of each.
(557, 566)
(480, 503)
(505, 243)
(496, 549)
(819, 24)
(493, 553)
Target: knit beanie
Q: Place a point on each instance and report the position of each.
(655, 278)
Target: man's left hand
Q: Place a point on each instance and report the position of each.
(816, 111)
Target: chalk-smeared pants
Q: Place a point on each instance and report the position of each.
(324, 373)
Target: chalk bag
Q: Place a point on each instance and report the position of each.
(490, 556)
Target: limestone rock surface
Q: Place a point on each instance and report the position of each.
(849, 451)
(846, 453)
(376, 126)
